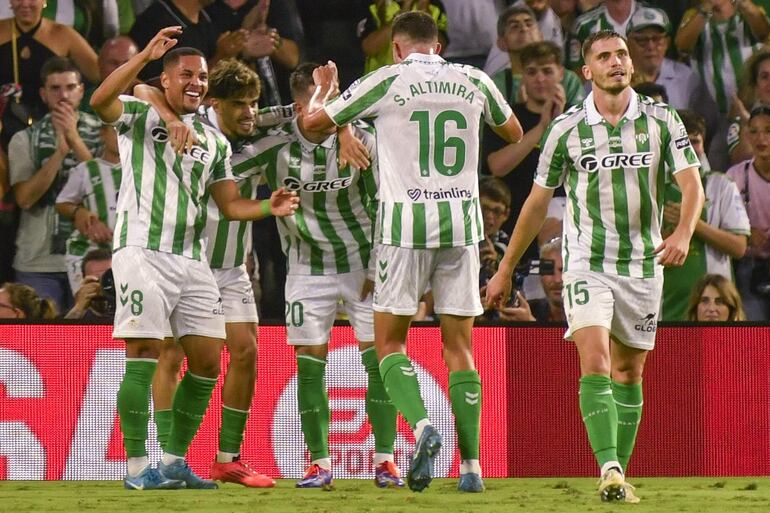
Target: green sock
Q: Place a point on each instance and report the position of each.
(382, 414)
(465, 394)
(190, 403)
(599, 416)
(313, 404)
(231, 432)
(628, 401)
(401, 384)
(163, 423)
(134, 404)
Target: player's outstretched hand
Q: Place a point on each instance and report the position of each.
(181, 137)
(498, 290)
(673, 251)
(352, 151)
(283, 202)
(327, 79)
(163, 41)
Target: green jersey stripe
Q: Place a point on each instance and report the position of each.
(642, 125)
(395, 224)
(98, 189)
(181, 210)
(220, 243)
(137, 154)
(158, 201)
(496, 110)
(446, 235)
(466, 206)
(717, 58)
(418, 226)
(124, 229)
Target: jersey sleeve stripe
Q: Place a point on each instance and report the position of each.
(498, 112)
(352, 111)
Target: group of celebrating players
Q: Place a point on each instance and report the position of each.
(365, 219)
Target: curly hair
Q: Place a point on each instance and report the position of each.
(231, 78)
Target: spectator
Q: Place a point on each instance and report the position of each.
(89, 199)
(44, 154)
(516, 163)
(756, 85)
(18, 301)
(720, 235)
(473, 30)
(518, 28)
(38, 39)
(374, 29)
(547, 20)
(715, 299)
(114, 53)
(274, 35)
(720, 35)
(198, 31)
(753, 180)
(648, 42)
(551, 308)
(91, 302)
(495, 199)
(610, 14)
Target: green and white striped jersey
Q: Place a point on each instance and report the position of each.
(95, 185)
(722, 49)
(331, 231)
(161, 198)
(427, 114)
(228, 243)
(615, 182)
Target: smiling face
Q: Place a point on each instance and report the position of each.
(608, 65)
(186, 83)
(237, 116)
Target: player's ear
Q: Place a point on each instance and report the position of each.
(437, 49)
(164, 80)
(586, 72)
(396, 52)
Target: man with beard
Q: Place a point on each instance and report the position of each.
(611, 155)
(161, 273)
(43, 156)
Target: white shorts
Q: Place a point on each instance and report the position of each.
(403, 275)
(627, 307)
(312, 302)
(154, 289)
(74, 271)
(237, 294)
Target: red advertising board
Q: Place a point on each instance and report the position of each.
(707, 405)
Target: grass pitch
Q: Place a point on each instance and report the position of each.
(556, 495)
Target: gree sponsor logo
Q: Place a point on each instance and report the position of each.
(295, 184)
(160, 135)
(592, 163)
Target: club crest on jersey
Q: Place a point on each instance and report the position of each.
(160, 135)
(592, 163)
(294, 184)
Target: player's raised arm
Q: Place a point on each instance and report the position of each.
(327, 87)
(105, 98)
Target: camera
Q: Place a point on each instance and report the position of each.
(104, 303)
(537, 267)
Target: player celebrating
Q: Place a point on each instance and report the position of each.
(611, 154)
(427, 113)
(158, 263)
(328, 244)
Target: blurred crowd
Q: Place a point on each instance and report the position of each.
(709, 59)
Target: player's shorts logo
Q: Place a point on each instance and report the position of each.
(647, 324)
(351, 442)
(295, 184)
(592, 163)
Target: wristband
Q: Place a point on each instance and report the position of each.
(264, 208)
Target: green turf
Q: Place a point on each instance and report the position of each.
(742, 495)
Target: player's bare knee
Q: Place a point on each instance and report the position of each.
(458, 357)
(143, 348)
(627, 373)
(243, 355)
(320, 351)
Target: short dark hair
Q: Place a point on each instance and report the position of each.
(541, 51)
(693, 122)
(602, 35)
(172, 57)
(416, 25)
(502, 20)
(95, 255)
(652, 89)
(58, 64)
(301, 79)
(495, 189)
(231, 78)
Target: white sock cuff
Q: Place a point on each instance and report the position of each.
(381, 457)
(609, 465)
(470, 467)
(324, 463)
